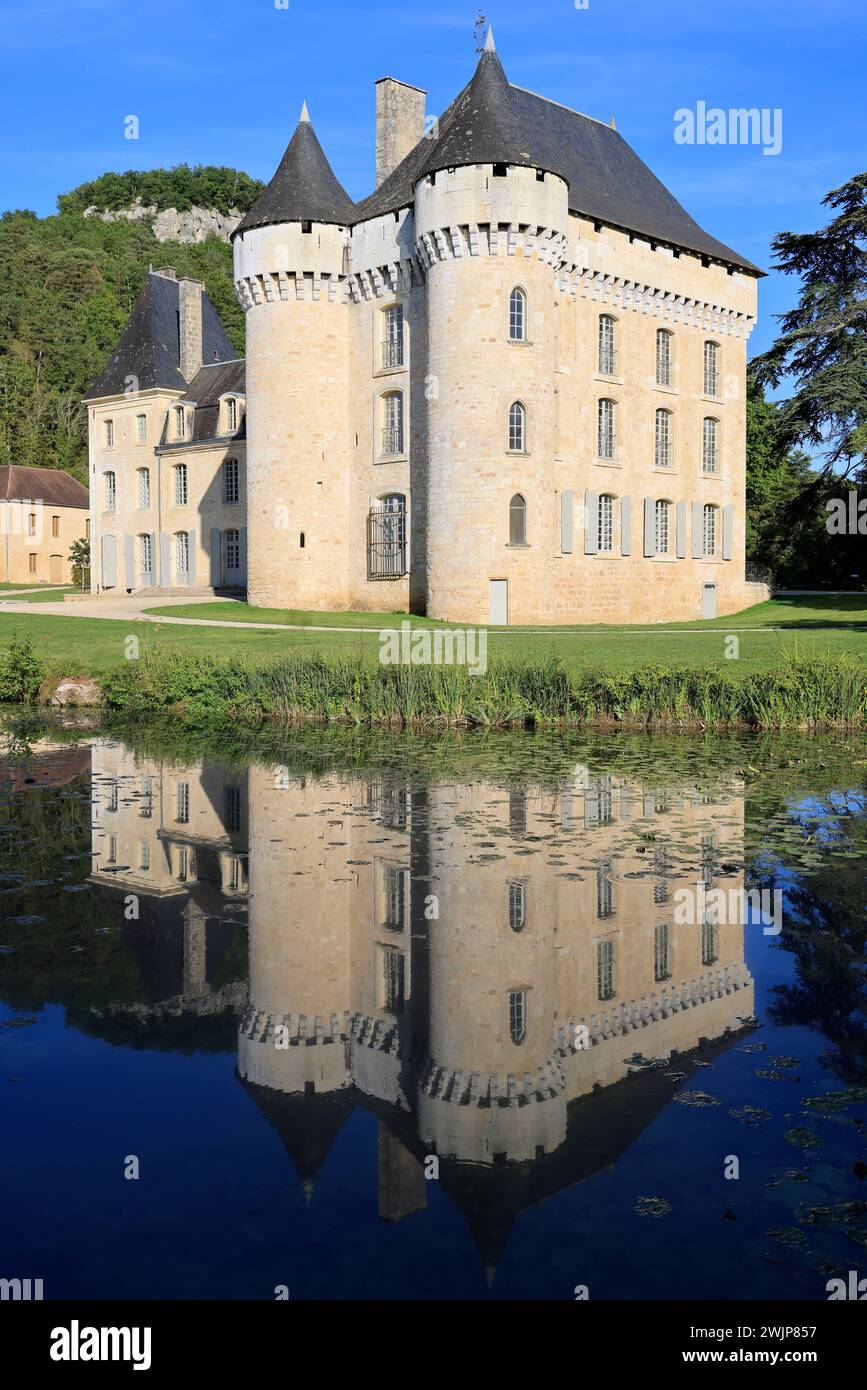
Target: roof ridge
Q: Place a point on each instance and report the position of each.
(573, 110)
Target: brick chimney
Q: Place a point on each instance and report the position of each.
(399, 123)
(190, 325)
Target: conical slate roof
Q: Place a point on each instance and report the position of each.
(304, 188)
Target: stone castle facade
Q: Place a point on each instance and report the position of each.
(507, 387)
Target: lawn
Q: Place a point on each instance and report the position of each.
(810, 626)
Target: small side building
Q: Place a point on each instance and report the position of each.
(43, 511)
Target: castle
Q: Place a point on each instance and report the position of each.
(509, 386)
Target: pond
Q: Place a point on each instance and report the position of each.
(479, 1017)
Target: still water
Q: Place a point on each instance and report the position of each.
(469, 1018)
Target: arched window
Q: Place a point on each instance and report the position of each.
(517, 520)
(662, 518)
(517, 316)
(605, 539)
(710, 445)
(182, 555)
(392, 336)
(517, 428)
(708, 530)
(518, 1016)
(605, 430)
(386, 537)
(231, 414)
(662, 439)
(607, 345)
(144, 488)
(517, 905)
(663, 357)
(711, 368)
(605, 969)
(180, 422)
(110, 491)
(392, 423)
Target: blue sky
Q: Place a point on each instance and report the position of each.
(222, 81)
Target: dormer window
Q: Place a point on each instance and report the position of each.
(231, 414)
(180, 422)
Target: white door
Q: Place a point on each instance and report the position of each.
(708, 601)
(498, 602)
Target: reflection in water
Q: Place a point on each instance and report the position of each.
(496, 971)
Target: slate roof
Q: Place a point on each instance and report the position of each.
(304, 188)
(149, 348)
(207, 386)
(49, 485)
(493, 122)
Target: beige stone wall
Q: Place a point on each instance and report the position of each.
(30, 552)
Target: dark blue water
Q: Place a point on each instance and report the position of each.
(271, 889)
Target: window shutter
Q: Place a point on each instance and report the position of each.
(625, 526)
(566, 522)
(697, 538)
(216, 555)
(591, 523)
(681, 530)
(243, 544)
(152, 577)
(649, 526)
(165, 560)
(191, 557)
(728, 531)
(109, 562)
(129, 556)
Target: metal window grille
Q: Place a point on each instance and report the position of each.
(392, 430)
(386, 538)
(607, 352)
(392, 342)
(662, 445)
(605, 970)
(605, 430)
(663, 357)
(388, 803)
(518, 1016)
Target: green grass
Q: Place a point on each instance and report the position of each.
(47, 596)
(806, 627)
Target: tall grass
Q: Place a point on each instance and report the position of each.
(802, 692)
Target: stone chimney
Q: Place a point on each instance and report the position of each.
(190, 325)
(399, 123)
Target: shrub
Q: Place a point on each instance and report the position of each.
(21, 671)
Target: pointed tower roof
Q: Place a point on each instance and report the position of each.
(304, 188)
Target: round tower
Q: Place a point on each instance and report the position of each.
(289, 254)
(491, 217)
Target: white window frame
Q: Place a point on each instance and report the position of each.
(711, 367)
(662, 526)
(231, 481)
(110, 486)
(709, 530)
(518, 315)
(664, 357)
(607, 345)
(182, 554)
(710, 434)
(605, 524)
(182, 489)
(141, 428)
(144, 489)
(662, 438)
(145, 554)
(606, 420)
(517, 428)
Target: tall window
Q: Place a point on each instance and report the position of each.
(146, 798)
(231, 484)
(392, 336)
(109, 434)
(711, 369)
(111, 803)
(110, 492)
(662, 447)
(517, 813)
(517, 428)
(709, 950)
(661, 953)
(392, 426)
(31, 523)
(144, 487)
(663, 357)
(662, 528)
(604, 894)
(180, 422)
(599, 802)
(141, 428)
(182, 554)
(517, 905)
(183, 803)
(31, 564)
(146, 558)
(708, 534)
(605, 536)
(518, 1016)
(233, 809)
(231, 414)
(181, 485)
(183, 872)
(710, 445)
(55, 526)
(607, 345)
(605, 970)
(386, 538)
(233, 550)
(517, 520)
(605, 430)
(393, 979)
(517, 316)
(144, 855)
